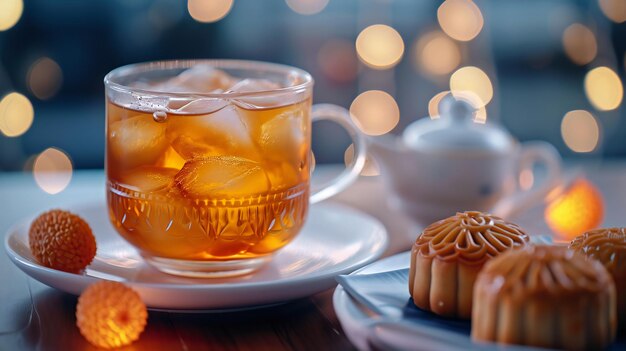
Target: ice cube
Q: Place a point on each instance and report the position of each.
(268, 99)
(219, 133)
(282, 175)
(283, 137)
(171, 159)
(136, 141)
(200, 78)
(148, 179)
(252, 85)
(196, 106)
(222, 178)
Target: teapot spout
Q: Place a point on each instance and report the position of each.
(388, 151)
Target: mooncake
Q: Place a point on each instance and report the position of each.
(545, 296)
(609, 247)
(448, 255)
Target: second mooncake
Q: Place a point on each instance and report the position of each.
(545, 296)
(608, 246)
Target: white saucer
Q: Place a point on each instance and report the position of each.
(335, 240)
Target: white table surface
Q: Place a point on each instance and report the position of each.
(20, 197)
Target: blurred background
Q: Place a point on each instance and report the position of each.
(545, 69)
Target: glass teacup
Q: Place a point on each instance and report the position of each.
(208, 162)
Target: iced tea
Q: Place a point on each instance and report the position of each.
(232, 183)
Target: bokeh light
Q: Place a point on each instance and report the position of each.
(460, 19)
(44, 78)
(437, 54)
(371, 167)
(526, 179)
(575, 210)
(379, 46)
(580, 131)
(29, 163)
(52, 170)
(337, 60)
(16, 114)
(580, 44)
(604, 88)
(209, 11)
(481, 115)
(473, 84)
(615, 10)
(433, 104)
(307, 7)
(10, 13)
(375, 112)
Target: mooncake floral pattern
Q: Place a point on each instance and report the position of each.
(471, 237)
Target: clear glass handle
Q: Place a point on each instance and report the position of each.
(340, 116)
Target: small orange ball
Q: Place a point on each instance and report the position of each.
(579, 209)
(62, 240)
(110, 314)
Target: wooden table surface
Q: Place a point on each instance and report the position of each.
(34, 316)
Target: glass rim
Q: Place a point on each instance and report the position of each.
(122, 71)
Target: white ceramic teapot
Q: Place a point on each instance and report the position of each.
(443, 165)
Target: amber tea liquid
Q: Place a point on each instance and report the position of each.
(229, 184)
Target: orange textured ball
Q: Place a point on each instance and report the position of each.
(110, 314)
(62, 240)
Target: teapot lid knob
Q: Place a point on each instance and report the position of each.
(457, 109)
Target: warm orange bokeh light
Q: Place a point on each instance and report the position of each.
(338, 61)
(379, 46)
(44, 78)
(436, 54)
(481, 115)
(578, 209)
(472, 84)
(580, 131)
(110, 314)
(460, 19)
(615, 10)
(313, 162)
(580, 44)
(433, 104)
(209, 11)
(371, 167)
(307, 7)
(16, 114)
(526, 179)
(604, 88)
(10, 13)
(52, 170)
(375, 112)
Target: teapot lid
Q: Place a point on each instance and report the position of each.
(455, 129)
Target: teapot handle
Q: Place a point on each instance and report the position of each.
(340, 116)
(532, 152)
